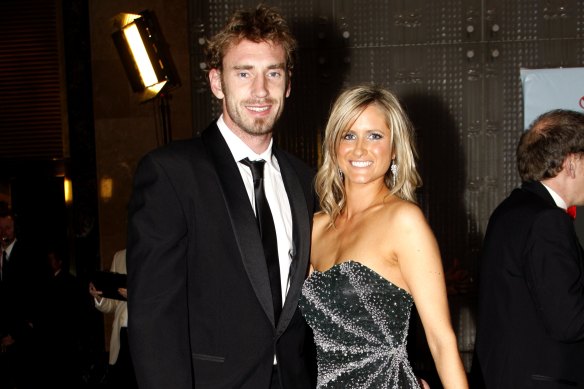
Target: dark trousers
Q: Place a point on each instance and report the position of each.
(122, 373)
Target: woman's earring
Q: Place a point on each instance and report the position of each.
(393, 169)
(341, 175)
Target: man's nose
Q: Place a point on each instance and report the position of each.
(259, 87)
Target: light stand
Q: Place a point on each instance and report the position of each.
(164, 103)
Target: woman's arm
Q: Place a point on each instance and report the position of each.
(420, 264)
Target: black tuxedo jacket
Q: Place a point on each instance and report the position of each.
(20, 291)
(531, 302)
(200, 307)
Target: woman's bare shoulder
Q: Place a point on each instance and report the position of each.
(403, 212)
(320, 220)
(400, 206)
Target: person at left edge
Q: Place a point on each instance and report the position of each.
(200, 305)
(21, 275)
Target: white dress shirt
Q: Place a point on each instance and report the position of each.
(557, 199)
(275, 194)
(9, 248)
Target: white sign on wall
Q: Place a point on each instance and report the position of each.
(547, 89)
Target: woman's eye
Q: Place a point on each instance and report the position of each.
(349, 136)
(375, 136)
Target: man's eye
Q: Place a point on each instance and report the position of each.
(243, 75)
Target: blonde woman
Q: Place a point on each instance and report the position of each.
(373, 253)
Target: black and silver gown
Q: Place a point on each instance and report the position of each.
(360, 322)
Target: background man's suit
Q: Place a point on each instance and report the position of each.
(190, 219)
(531, 309)
(20, 299)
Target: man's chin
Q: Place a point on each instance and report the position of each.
(260, 128)
(260, 132)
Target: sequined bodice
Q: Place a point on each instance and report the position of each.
(360, 322)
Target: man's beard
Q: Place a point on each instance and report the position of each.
(252, 126)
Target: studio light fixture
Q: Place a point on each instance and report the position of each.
(147, 61)
(144, 54)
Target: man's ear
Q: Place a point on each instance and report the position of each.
(569, 166)
(216, 84)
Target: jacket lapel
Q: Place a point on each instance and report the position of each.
(241, 217)
(300, 236)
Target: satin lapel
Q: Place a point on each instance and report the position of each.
(300, 236)
(242, 217)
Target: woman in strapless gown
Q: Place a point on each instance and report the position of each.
(373, 254)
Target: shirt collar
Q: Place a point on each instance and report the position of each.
(9, 249)
(238, 147)
(557, 199)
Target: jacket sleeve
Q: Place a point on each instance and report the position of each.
(157, 267)
(553, 269)
(106, 305)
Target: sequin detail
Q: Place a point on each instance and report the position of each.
(360, 322)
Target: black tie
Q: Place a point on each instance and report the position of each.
(267, 232)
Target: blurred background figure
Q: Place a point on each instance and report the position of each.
(121, 371)
(60, 324)
(20, 281)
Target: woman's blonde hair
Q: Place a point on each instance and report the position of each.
(346, 109)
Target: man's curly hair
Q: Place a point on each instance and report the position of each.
(263, 24)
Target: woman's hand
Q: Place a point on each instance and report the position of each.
(96, 294)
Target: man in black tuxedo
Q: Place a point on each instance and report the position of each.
(21, 274)
(207, 307)
(531, 302)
